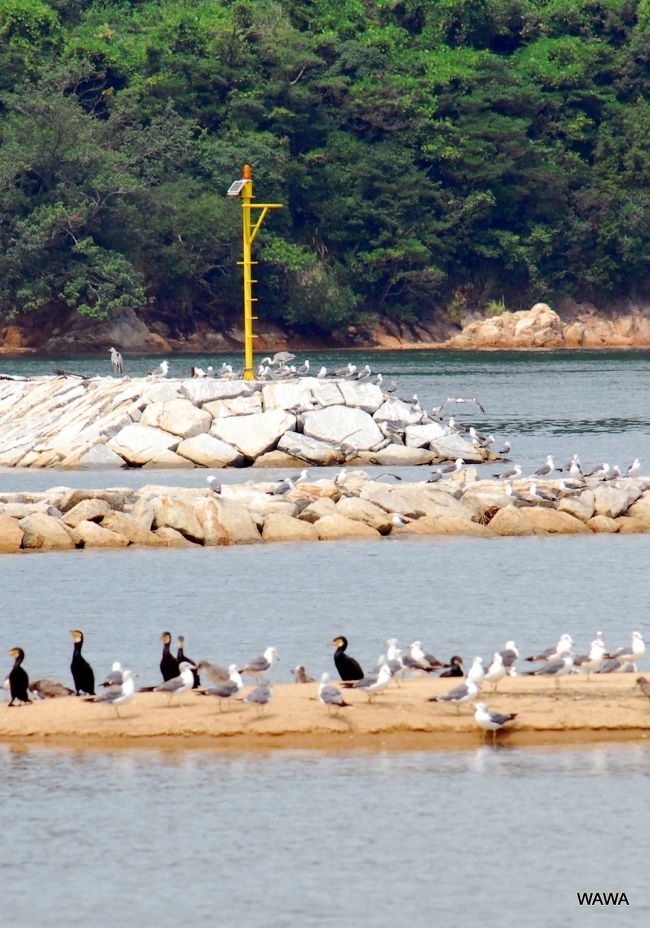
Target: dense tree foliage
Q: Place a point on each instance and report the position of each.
(430, 153)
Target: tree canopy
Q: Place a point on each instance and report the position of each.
(427, 151)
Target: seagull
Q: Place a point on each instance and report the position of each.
(115, 677)
(392, 386)
(428, 661)
(214, 485)
(535, 493)
(117, 361)
(515, 471)
(463, 399)
(496, 671)
(120, 692)
(634, 469)
(330, 696)
(570, 486)
(258, 666)
(214, 672)
(303, 370)
(281, 358)
(322, 373)
(285, 486)
(465, 692)
(601, 471)
(476, 673)
(47, 689)
(635, 652)
(491, 721)
(161, 371)
(229, 688)
(510, 491)
(575, 470)
(341, 477)
(560, 650)
(592, 662)
(575, 460)
(510, 656)
(374, 684)
(301, 674)
(378, 380)
(506, 449)
(435, 476)
(180, 684)
(545, 469)
(454, 468)
(260, 696)
(555, 669)
(365, 373)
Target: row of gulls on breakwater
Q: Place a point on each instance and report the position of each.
(578, 479)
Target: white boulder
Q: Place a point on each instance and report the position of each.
(338, 424)
(253, 435)
(137, 444)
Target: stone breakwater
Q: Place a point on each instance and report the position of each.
(342, 508)
(69, 422)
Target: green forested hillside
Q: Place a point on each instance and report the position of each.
(431, 153)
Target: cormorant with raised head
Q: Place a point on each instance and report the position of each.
(82, 672)
(18, 679)
(348, 668)
(168, 663)
(180, 657)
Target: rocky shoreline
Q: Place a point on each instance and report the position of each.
(574, 326)
(349, 506)
(73, 422)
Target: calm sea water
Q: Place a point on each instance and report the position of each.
(487, 837)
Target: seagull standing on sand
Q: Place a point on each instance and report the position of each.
(301, 675)
(258, 666)
(555, 669)
(592, 662)
(330, 696)
(373, 684)
(465, 692)
(491, 721)
(260, 696)
(632, 653)
(178, 685)
(116, 361)
(476, 672)
(510, 656)
(119, 693)
(556, 653)
(496, 671)
(229, 688)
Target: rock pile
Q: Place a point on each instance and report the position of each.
(106, 422)
(346, 507)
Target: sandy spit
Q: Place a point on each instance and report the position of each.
(603, 708)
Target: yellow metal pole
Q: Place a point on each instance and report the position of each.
(246, 196)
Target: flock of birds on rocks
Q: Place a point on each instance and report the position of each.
(180, 674)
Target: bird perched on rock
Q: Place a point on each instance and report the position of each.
(82, 672)
(214, 485)
(546, 468)
(18, 678)
(491, 721)
(161, 371)
(117, 361)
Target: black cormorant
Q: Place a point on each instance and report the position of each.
(180, 657)
(168, 663)
(82, 672)
(348, 668)
(455, 668)
(18, 679)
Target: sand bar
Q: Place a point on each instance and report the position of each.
(607, 707)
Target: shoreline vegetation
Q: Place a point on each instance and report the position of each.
(434, 160)
(580, 712)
